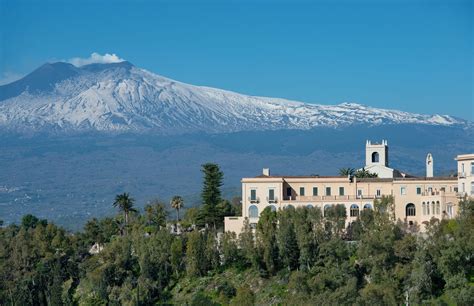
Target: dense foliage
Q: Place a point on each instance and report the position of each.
(293, 256)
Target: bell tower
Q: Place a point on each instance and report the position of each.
(429, 165)
(376, 153)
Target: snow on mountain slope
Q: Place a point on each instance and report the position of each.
(122, 97)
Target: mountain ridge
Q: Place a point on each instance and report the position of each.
(120, 97)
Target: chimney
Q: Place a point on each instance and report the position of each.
(266, 171)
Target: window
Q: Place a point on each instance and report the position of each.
(463, 188)
(309, 206)
(326, 207)
(423, 205)
(437, 207)
(472, 169)
(271, 194)
(289, 206)
(367, 206)
(253, 195)
(253, 211)
(418, 190)
(301, 191)
(273, 208)
(403, 190)
(378, 193)
(433, 207)
(328, 191)
(410, 210)
(359, 193)
(375, 157)
(450, 209)
(315, 191)
(427, 208)
(288, 191)
(472, 188)
(341, 191)
(354, 211)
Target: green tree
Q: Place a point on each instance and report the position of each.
(266, 239)
(125, 203)
(247, 245)
(211, 195)
(363, 173)
(286, 238)
(244, 297)
(177, 203)
(156, 214)
(346, 171)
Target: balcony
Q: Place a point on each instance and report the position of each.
(272, 200)
(329, 198)
(254, 200)
(461, 174)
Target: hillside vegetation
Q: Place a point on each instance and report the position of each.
(294, 256)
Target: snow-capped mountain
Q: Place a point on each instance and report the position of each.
(122, 97)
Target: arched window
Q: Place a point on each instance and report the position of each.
(449, 209)
(433, 207)
(375, 157)
(309, 206)
(427, 208)
(289, 206)
(253, 211)
(273, 207)
(410, 210)
(354, 210)
(437, 207)
(326, 207)
(367, 206)
(424, 208)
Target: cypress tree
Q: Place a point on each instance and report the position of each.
(211, 195)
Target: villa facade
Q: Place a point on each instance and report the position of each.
(417, 199)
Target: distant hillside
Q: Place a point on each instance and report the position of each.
(70, 178)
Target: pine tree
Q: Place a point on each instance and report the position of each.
(211, 195)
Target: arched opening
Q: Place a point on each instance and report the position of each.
(289, 206)
(449, 210)
(326, 207)
(410, 210)
(423, 205)
(354, 211)
(309, 206)
(433, 208)
(437, 207)
(367, 206)
(273, 207)
(375, 157)
(253, 211)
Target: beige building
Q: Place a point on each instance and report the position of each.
(465, 174)
(417, 199)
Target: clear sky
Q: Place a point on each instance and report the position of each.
(411, 55)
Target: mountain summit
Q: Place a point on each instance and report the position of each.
(119, 97)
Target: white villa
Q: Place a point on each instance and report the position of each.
(417, 199)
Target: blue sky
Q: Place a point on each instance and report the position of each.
(411, 55)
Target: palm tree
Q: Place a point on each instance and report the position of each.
(125, 203)
(346, 171)
(177, 203)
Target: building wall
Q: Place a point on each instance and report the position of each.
(466, 174)
(438, 191)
